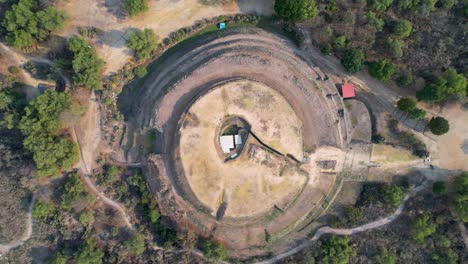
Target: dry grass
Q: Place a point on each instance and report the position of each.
(387, 154)
(250, 186)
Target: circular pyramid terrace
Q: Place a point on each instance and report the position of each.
(261, 191)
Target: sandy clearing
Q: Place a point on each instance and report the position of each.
(164, 17)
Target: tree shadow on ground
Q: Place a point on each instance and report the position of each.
(259, 7)
(114, 7)
(116, 38)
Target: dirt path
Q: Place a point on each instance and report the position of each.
(89, 183)
(348, 231)
(4, 248)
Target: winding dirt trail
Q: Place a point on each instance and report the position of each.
(348, 231)
(4, 248)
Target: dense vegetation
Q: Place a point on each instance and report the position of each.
(448, 85)
(460, 200)
(296, 10)
(41, 125)
(143, 42)
(408, 105)
(87, 66)
(26, 22)
(337, 250)
(135, 7)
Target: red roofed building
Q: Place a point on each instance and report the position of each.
(347, 90)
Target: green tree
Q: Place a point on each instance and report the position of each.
(214, 252)
(405, 79)
(87, 66)
(136, 244)
(449, 84)
(58, 258)
(422, 227)
(89, 253)
(25, 23)
(43, 210)
(331, 7)
(460, 199)
(386, 257)
(425, 7)
(140, 71)
(73, 190)
(340, 42)
(380, 5)
(353, 60)
(296, 10)
(87, 217)
(354, 214)
(381, 69)
(439, 187)
(337, 250)
(407, 4)
(392, 195)
(406, 104)
(11, 107)
(395, 47)
(438, 125)
(447, 4)
(375, 21)
(402, 29)
(143, 42)
(40, 124)
(417, 113)
(135, 7)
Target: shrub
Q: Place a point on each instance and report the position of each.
(43, 210)
(214, 252)
(406, 104)
(381, 70)
(58, 258)
(375, 21)
(296, 10)
(460, 200)
(438, 125)
(87, 66)
(422, 227)
(354, 214)
(380, 5)
(73, 190)
(392, 195)
(13, 70)
(425, 7)
(26, 23)
(141, 71)
(407, 4)
(417, 113)
(88, 253)
(447, 4)
(143, 42)
(395, 47)
(87, 217)
(386, 257)
(439, 187)
(135, 7)
(405, 79)
(353, 60)
(337, 249)
(340, 42)
(136, 244)
(378, 139)
(326, 49)
(402, 29)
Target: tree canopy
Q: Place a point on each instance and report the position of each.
(214, 252)
(337, 250)
(136, 244)
(375, 21)
(135, 7)
(393, 195)
(380, 5)
(439, 125)
(296, 10)
(422, 227)
(87, 66)
(395, 47)
(381, 69)
(406, 104)
(89, 253)
(43, 210)
(460, 200)
(449, 84)
(353, 60)
(26, 23)
(41, 124)
(143, 42)
(73, 190)
(402, 29)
